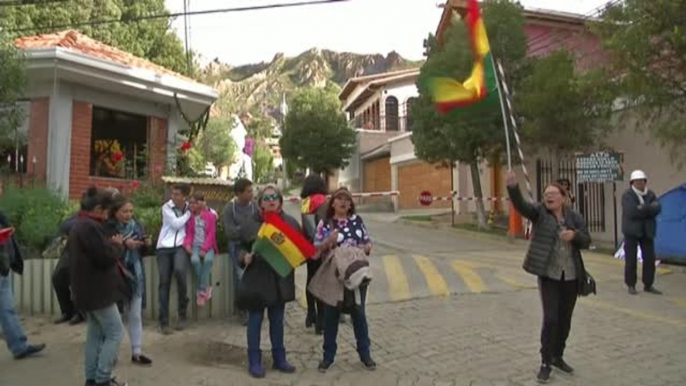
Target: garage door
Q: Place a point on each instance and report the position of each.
(377, 178)
(415, 178)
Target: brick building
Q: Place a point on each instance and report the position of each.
(97, 115)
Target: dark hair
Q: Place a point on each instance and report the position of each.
(182, 187)
(198, 196)
(313, 184)
(559, 187)
(330, 212)
(241, 184)
(117, 203)
(94, 197)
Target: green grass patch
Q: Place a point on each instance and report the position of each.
(424, 218)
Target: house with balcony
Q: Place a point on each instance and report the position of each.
(96, 115)
(378, 107)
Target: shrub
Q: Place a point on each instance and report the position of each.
(36, 213)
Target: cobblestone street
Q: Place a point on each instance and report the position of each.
(471, 339)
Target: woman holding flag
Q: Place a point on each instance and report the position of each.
(268, 281)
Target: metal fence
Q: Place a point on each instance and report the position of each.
(590, 196)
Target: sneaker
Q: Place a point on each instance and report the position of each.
(544, 374)
(561, 365)
(200, 299)
(208, 293)
(324, 366)
(632, 291)
(30, 350)
(166, 330)
(113, 382)
(369, 364)
(652, 290)
(181, 324)
(141, 360)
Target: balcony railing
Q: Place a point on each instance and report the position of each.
(382, 123)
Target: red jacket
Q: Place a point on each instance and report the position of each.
(210, 231)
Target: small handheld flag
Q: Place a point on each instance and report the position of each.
(449, 93)
(283, 247)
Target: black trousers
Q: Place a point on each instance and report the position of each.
(558, 298)
(60, 283)
(315, 308)
(631, 253)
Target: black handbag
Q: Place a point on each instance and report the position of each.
(587, 286)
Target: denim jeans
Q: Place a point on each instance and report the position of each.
(172, 261)
(359, 319)
(255, 318)
(237, 269)
(202, 268)
(103, 338)
(9, 320)
(134, 323)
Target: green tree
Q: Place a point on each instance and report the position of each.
(647, 41)
(12, 83)
(316, 133)
(263, 163)
(213, 145)
(555, 98)
(152, 39)
(474, 134)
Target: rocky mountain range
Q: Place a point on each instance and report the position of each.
(259, 88)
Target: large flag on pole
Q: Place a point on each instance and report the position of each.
(449, 93)
(283, 247)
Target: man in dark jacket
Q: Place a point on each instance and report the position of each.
(60, 281)
(640, 207)
(9, 320)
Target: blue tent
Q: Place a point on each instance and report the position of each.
(670, 242)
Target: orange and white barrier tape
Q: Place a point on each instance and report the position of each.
(356, 195)
(458, 198)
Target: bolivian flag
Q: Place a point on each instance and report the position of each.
(283, 247)
(449, 93)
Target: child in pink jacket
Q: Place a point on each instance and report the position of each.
(201, 244)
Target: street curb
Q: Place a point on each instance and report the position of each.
(475, 235)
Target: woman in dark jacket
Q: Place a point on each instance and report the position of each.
(273, 292)
(121, 222)
(559, 234)
(313, 210)
(97, 285)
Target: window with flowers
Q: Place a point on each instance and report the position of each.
(118, 144)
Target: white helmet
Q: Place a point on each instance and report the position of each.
(638, 175)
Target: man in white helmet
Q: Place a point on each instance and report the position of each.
(640, 207)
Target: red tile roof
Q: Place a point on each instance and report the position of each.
(78, 42)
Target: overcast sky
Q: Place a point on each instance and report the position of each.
(360, 26)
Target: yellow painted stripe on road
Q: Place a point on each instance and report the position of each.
(398, 287)
(681, 302)
(471, 279)
(642, 315)
(434, 280)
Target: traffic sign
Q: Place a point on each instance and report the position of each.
(425, 198)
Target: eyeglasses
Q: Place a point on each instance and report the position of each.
(270, 197)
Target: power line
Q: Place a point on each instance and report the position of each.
(178, 14)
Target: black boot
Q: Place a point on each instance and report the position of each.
(63, 319)
(544, 373)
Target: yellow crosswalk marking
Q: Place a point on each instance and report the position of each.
(398, 286)
(470, 277)
(515, 282)
(681, 302)
(434, 280)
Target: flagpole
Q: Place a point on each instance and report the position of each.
(502, 110)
